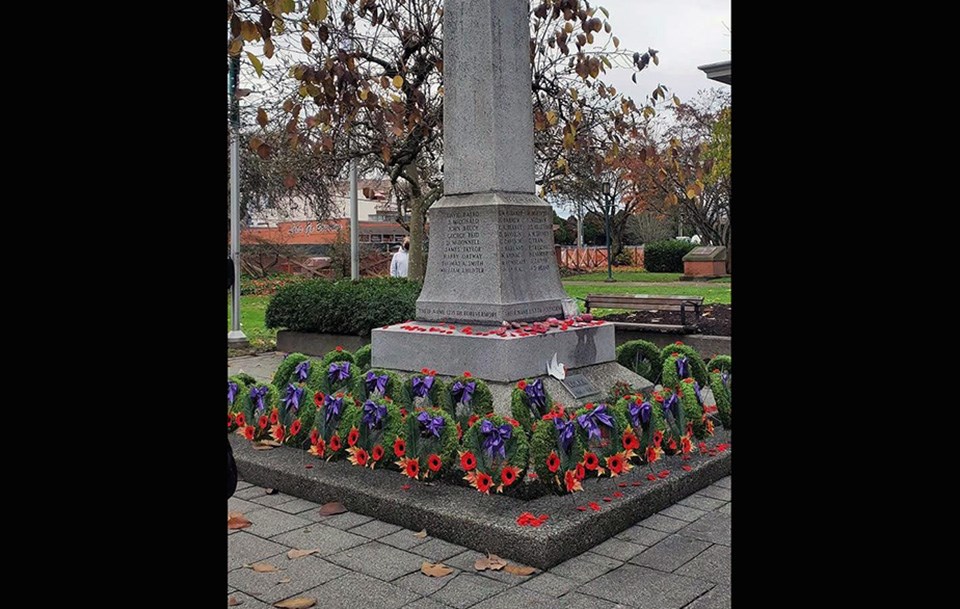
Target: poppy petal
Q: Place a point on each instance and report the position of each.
(685, 468)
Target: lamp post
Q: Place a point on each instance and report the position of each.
(607, 201)
(235, 337)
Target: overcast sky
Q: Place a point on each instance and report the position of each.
(688, 33)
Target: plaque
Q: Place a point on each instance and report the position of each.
(578, 386)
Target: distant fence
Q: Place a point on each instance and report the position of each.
(589, 258)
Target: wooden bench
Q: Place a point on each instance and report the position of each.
(647, 302)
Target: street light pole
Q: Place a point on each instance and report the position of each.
(235, 337)
(607, 200)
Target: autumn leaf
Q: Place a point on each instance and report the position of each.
(285, 580)
(306, 43)
(295, 554)
(300, 602)
(552, 117)
(435, 569)
(264, 151)
(236, 45)
(232, 601)
(331, 508)
(256, 63)
(691, 193)
(616, 42)
(491, 561)
(268, 48)
(398, 81)
(249, 31)
(237, 521)
(519, 569)
(421, 535)
(318, 11)
(262, 567)
(676, 101)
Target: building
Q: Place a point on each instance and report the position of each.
(719, 71)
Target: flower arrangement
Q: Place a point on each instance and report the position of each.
(645, 419)
(529, 401)
(380, 383)
(296, 415)
(335, 415)
(375, 435)
(339, 372)
(722, 362)
(468, 396)
(602, 431)
(425, 390)
(679, 362)
(298, 369)
(236, 386)
(259, 405)
(494, 455)
(557, 451)
(674, 415)
(641, 356)
(721, 384)
(692, 404)
(428, 445)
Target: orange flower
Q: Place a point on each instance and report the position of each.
(399, 447)
(509, 475)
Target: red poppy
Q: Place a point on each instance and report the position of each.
(467, 461)
(513, 422)
(241, 420)
(263, 421)
(688, 381)
(318, 448)
(229, 420)
(653, 454)
(594, 506)
(553, 462)
(274, 416)
(590, 461)
(467, 374)
(318, 398)
(412, 468)
(335, 443)
(589, 406)
(685, 468)
(403, 412)
(571, 482)
(424, 371)
(630, 441)
(581, 508)
(657, 396)
(509, 475)
(405, 487)
(581, 472)
(679, 342)
(434, 463)
(674, 354)
(685, 445)
(664, 473)
(361, 457)
(672, 445)
(484, 482)
(657, 438)
(473, 419)
(651, 477)
(314, 435)
(339, 349)
(617, 494)
(689, 428)
(459, 432)
(377, 453)
(615, 464)
(353, 436)
(607, 499)
(248, 432)
(433, 373)
(622, 484)
(277, 432)
(522, 385)
(399, 447)
(295, 427)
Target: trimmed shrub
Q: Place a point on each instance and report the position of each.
(429, 444)
(362, 357)
(558, 468)
(500, 451)
(529, 401)
(366, 385)
(476, 395)
(343, 307)
(722, 393)
(371, 442)
(643, 357)
(666, 256)
(670, 375)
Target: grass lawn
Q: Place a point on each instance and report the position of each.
(252, 311)
(719, 294)
(626, 276)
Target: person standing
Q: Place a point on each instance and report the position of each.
(399, 264)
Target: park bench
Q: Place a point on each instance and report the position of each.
(686, 305)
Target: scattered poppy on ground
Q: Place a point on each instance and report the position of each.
(636, 483)
(594, 506)
(622, 484)
(664, 473)
(607, 499)
(405, 487)
(651, 477)
(685, 468)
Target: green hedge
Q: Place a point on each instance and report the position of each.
(343, 307)
(666, 256)
(643, 357)
(670, 377)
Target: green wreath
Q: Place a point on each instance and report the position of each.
(292, 370)
(722, 392)
(475, 395)
(641, 356)
(328, 433)
(601, 429)
(371, 442)
(495, 453)
(394, 390)
(331, 382)
(258, 405)
(554, 466)
(645, 418)
(723, 363)
(425, 390)
(428, 445)
(670, 377)
(529, 402)
(362, 357)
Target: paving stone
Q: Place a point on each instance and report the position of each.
(242, 484)
(718, 598)
(378, 560)
(425, 603)
(424, 585)
(618, 549)
(241, 505)
(663, 523)
(683, 512)
(713, 565)
(713, 527)
(244, 548)
(247, 602)
(717, 492)
(725, 482)
(375, 529)
(702, 502)
(249, 492)
(326, 539)
(585, 567)
(358, 591)
(437, 550)
(271, 500)
(518, 597)
(296, 506)
(550, 584)
(727, 509)
(403, 539)
(467, 590)
(646, 588)
(268, 522)
(344, 521)
(670, 553)
(575, 600)
(642, 535)
(303, 573)
(465, 562)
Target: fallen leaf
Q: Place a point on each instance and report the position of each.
(435, 569)
(270, 491)
(262, 446)
(237, 521)
(262, 567)
(295, 554)
(285, 580)
(232, 601)
(421, 534)
(300, 602)
(491, 561)
(334, 507)
(519, 569)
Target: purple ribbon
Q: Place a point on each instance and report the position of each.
(302, 370)
(257, 394)
(373, 413)
(589, 421)
(671, 404)
(725, 378)
(463, 392)
(431, 425)
(536, 395)
(640, 413)
(422, 385)
(339, 371)
(232, 390)
(495, 438)
(292, 398)
(696, 392)
(682, 366)
(331, 409)
(565, 431)
(375, 383)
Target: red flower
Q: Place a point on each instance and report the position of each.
(468, 461)
(581, 473)
(617, 494)
(353, 436)
(274, 416)
(318, 448)
(615, 463)
(361, 457)
(399, 447)
(424, 371)
(664, 473)
(263, 421)
(513, 422)
(630, 441)
(679, 342)
(467, 374)
(689, 428)
(229, 420)
(339, 349)
(688, 381)
(594, 506)
(571, 482)
(657, 438)
(685, 468)
(318, 398)
(295, 427)
(377, 453)
(686, 446)
(651, 477)
(277, 432)
(314, 435)
(403, 412)
(248, 432)
(553, 462)
(672, 445)
(473, 419)
(589, 406)
(509, 475)
(702, 446)
(241, 420)
(674, 354)
(335, 443)
(459, 432)
(412, 468)
(434, 463)
(484, 482)
(522, 385)
(653, 454)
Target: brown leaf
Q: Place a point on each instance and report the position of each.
(268, 48)
(232, 601)
(262, 567)
(264, 151)
(285, 580)
(236, 45)
(334, 507)
(237, 521)
(306, 43)
(295, 554)
(262, 119)
(422, 534)
(300, 602)
(240, 93)
(367, 192)
(435, 570)
(290, 181)
(492, 562)
(519, 569)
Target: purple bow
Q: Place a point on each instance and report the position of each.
(375, 383)
(640, 413)
(589, 421)
(535, 395)
(696, 392)
(495, 438)
(431, 425)
(463, 392)
(293, 396)
(725, 377)
(303, 370)
(565, 431)
(232, 390)
(422, 385)
(373, 413)
(671, 404)
(682, 366)
(257, 394)
(339, 371)
(331, 408)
